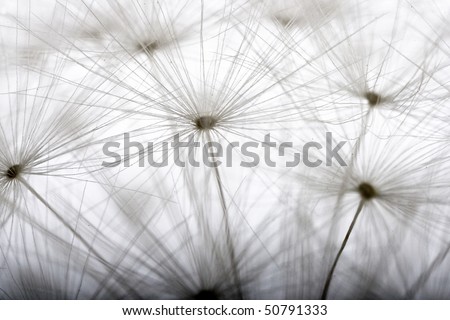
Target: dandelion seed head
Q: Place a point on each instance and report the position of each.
(321, 72)
(206, 294)
(149, 47)
(205, 122)
(284, 20)
(373, 98)
(367, 191)
(13, 171)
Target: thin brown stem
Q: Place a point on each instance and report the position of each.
(336, 259)
(228, 237)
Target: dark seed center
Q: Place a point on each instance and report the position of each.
(283, 20)
(367, 191)
(13, 171)
(373, 98)
(206, 294)
(205, 122)
(149, 47)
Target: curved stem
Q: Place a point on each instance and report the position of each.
(229, 240)
(228, 236)
(336, 259)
